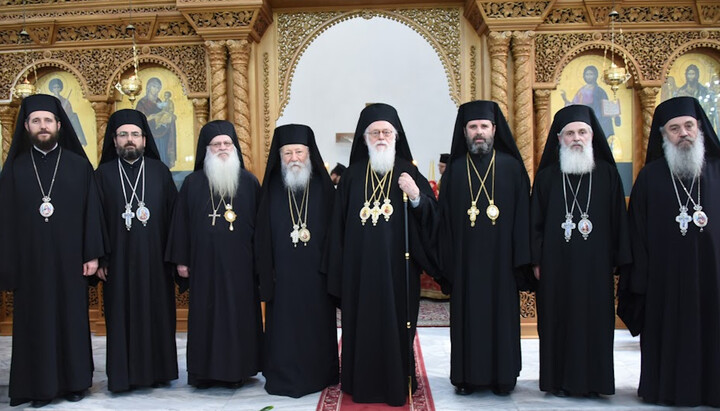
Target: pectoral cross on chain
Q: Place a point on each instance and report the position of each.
(128, 216)
(214, 215)
(683, 219)
(295, 235)
(568, 226)
(473, 213)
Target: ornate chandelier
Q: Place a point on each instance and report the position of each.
(25, 88)
(614, 76)
(132, 85)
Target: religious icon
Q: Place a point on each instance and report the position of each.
(56, 86)
(161, 119)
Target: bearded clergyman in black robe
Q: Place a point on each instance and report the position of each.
(301, 354)
(579, 237)
(670, 296)
(211, 241)
(137, 193)
(366, 258)
(51, 237)
(484, 245)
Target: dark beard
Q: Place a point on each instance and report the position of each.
(46, 145)
(130, 155)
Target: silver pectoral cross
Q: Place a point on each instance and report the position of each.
(128, 216)
(683, 219)
(295, 235)
(214, 215)
(568, 226)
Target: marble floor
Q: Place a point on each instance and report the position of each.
(436, 351)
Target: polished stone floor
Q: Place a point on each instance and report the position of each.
(436, 351)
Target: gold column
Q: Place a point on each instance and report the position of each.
(200, 107)
(218, 79)
(8, 115)
(522, 45)
(498, 43)
(239, 58)
(648, 97)
(102, 114)
(542, 125)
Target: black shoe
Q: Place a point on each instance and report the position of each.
(463, 389)
(501, 392)
(75, 396)
(561, 393)
(234, 385)
(160, 384)
(40, 403)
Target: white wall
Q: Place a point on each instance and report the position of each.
(372, 61)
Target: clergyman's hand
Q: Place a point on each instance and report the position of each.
(183, 271)
(102, 273)
(407, 185)
(90, 267)
(536, 272)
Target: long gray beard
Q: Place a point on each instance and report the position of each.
(576, 162)
(382, 161)
(686, 163)
(298, 179)
(223, 176)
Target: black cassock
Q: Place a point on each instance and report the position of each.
(481, 263)
(300, 320)
(672, 293)
(139, 294)
(367, 271)
(575, 296)
(51, 332)
(224, 320)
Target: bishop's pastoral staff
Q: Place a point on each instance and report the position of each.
(367, 260)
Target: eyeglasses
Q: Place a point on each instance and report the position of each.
(221, 144)
(376, 133)
(133, 134)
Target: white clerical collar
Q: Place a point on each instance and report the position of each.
(46, 152)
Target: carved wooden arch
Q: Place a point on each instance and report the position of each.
(686, 48)
(148, 58)
(633, 69)
(57, 64)
(451, 70)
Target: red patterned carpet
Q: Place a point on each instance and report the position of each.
(333, 399)
(433, 313)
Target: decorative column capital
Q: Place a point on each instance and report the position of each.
(522, 42)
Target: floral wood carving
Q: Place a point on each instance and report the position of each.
(505, 9)
(649, 14)
(439, 26)
(527, 305)
(98, 68)
(572, 15)
(222, 19)
(34, 12)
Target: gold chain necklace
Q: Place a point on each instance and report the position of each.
(492, 211)
(378, 184)
(300, 230)
(229, 214)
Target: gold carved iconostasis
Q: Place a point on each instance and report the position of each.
(235, 60)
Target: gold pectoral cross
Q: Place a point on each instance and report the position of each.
(473, 212)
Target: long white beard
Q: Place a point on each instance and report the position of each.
(223, 175)
(576, 162)
(686, 162)
(382, 161)
(297, 179)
